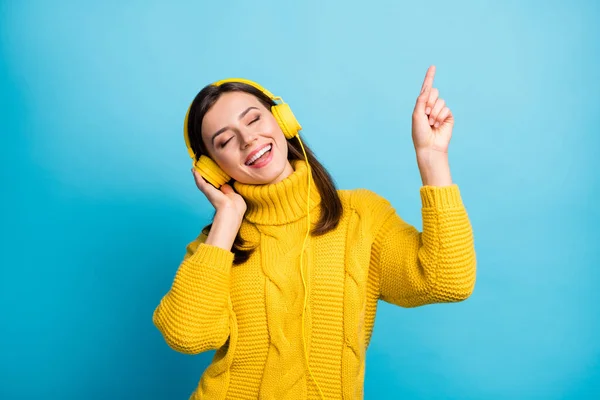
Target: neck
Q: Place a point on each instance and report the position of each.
(287, 171)
(282, 202)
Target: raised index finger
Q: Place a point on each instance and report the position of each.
(428, 82)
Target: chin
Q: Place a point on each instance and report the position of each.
(274, 173)
(278, 167)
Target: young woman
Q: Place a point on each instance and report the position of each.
(290, 314)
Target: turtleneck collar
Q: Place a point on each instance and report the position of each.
(282, 202)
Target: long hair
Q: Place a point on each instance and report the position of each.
(331, 205)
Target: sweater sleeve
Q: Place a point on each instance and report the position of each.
(193, 316)
(434, 266)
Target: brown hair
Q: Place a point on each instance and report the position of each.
(331, 205)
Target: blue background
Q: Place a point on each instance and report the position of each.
(98, 201)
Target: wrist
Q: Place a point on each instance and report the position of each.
(224, 229)
(229, 215)
(434, 168)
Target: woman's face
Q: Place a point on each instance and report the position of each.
(238, 127)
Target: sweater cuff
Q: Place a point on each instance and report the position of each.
(441, 197)
(213, 256)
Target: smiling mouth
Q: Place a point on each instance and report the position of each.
(261, 153)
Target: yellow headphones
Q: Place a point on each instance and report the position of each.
(217, 177)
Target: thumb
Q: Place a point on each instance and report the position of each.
(227, 189)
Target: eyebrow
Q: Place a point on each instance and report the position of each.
(217, 133)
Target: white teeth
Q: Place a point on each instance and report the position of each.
(259, 154)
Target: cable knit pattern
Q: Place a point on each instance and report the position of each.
(251, 313)
(354, 307)
(283, 376)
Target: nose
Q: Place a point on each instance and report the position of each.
(247, 138)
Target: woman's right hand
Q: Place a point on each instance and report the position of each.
(225, 200)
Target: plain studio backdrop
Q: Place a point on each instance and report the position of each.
(98, 201)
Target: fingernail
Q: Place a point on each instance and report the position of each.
(430, 121)
(437, 124)
(427, 110)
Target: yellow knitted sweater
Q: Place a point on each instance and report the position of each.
(251, 313)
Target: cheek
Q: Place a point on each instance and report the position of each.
(230, 159)
(272, 124)
(276, 131)
(280, 138)
(283, 148)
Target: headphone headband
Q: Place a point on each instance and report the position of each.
(248, 82)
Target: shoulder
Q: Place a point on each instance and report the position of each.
(366, 202)
(193, 245)
(361, 198)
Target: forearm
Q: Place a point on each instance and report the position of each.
(447, 250)
(223, 231)
(437, 265)
(434, 168)
(194, 315)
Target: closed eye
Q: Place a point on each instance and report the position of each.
(228, 140)
(225, 142)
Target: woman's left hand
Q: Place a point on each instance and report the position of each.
(432, 121)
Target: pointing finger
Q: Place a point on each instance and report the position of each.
(428, 82)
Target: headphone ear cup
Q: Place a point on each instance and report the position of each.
(211, 172)
(286, 120)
